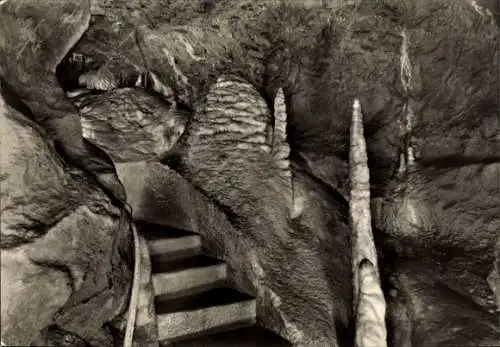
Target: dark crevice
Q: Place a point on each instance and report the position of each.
(174, 265)
(210, 298)
(13, 100)
(299, 163)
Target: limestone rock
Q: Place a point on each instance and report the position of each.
(130, 124)
(64, 247)
(422, 303)
(440, 210)
(437, 214)
(109, 46)
(303, 287)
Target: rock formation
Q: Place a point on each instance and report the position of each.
(66, 260)
(130, 124)
(225, 154)
(369, 302)
(427, 75)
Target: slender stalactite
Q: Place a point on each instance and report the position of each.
(369, 302)
(407, 160)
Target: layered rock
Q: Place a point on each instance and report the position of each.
(130, 124)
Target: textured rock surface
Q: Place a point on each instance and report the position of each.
(130, 124)
(278, 261)
(449, 82)
(437, 223)
(109, 44)
(65, 255)
(442, 230)
(162, 196)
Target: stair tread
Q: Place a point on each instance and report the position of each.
(178, 254)
(152, 231)
(251, 336)
(210, 298)
(180, 264)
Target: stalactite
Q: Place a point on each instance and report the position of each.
(407, 158)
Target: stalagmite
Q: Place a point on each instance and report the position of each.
(369, 302)
(280, 147)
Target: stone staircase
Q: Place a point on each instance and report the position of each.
(185, 299)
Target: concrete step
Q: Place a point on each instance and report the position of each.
(168, 243)
(184, 317)
(184, 276)
(252, 336)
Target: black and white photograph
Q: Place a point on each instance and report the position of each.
(246, 173)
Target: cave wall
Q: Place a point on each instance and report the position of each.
(440, 58)
(64, 247)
